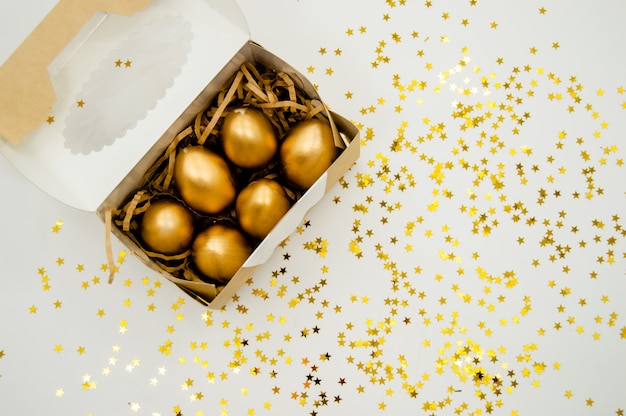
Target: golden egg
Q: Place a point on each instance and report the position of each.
(260, 205)
(219, 251)
(306, 152)
(203, 180)
(248, 138)
(167, 227)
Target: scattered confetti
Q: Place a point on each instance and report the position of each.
(471, 257)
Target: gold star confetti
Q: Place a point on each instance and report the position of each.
(419, 278)
(57, 226)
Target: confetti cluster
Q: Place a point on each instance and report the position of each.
(472, 260)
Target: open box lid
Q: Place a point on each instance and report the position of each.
(118, 85)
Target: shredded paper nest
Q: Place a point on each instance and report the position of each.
(273, 93)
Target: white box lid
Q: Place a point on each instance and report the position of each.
(119, 85)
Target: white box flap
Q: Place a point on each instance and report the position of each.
(119, 92)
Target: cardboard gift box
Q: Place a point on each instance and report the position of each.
(94, 98)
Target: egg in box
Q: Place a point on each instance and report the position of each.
(201, 168)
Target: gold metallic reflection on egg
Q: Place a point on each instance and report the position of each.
(306, 152)
(203, 180)
(219, 251)
(248, 138)
(260, 205)
(167, 227)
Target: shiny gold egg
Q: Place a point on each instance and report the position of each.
(248, 138)
(306, 152)
(167, 227)
(219, 251)
(260, 205)
(203, 180)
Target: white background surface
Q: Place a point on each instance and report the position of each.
(71, 344)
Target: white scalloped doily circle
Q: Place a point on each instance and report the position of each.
(128, 84)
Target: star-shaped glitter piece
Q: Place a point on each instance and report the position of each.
(57, 226)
